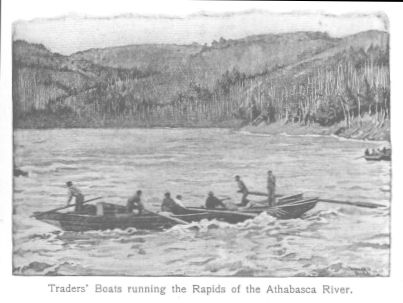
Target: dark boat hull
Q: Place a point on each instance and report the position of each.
(83, 222)
(378, 158)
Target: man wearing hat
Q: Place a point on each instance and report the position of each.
(213, 202)
(135, 202)
(73, 191)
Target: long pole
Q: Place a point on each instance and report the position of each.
(67, 206)
(179, 221)
(224, 211)
(259, 193)
(359, 204)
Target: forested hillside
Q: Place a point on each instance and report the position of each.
(303, 78)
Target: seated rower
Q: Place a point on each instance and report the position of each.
(170, 205)
(134, 202)
(213, 202)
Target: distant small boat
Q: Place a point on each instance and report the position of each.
(19, 172)
(385, 155)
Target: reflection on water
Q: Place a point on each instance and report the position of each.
(331, 240)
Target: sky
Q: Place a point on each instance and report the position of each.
(72, 33)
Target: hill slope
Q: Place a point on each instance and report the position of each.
(176, 83)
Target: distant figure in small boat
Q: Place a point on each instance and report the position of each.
(19, 172)
(73, 191)
(271, 188)
(170, 205)
(372, 151)
(213, 202)
(242, 189)
(367, 152)
(134, 202)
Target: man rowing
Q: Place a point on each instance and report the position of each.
(242, 189)
(134, 202)
(73, 191)
(170, 205)
(213, 202)
(271, 188)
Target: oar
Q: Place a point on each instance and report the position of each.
(67, 206)
(359, 204)
(224, 211)
(179, 221)
(259, 193)
(359, 157)
(282, 199)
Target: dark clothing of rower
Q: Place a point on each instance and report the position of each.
(213, 202)
(169, 205)
(78, 196)
(271, 188)
(242, 189)
(135, 202)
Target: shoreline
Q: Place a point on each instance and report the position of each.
(364, 130)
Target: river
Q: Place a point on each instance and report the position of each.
(330, 240)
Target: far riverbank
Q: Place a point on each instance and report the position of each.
(364, 130)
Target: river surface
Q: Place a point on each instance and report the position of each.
(330, 240)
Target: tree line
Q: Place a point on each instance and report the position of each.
(351, 85)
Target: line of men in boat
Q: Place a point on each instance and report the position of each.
(175, 205)
(373, 152)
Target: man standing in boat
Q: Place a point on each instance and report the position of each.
(134, 202)
(271, 188)
(242, 189)
(73, 191)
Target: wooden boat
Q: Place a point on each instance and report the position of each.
(289, 207)
(115, 216)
